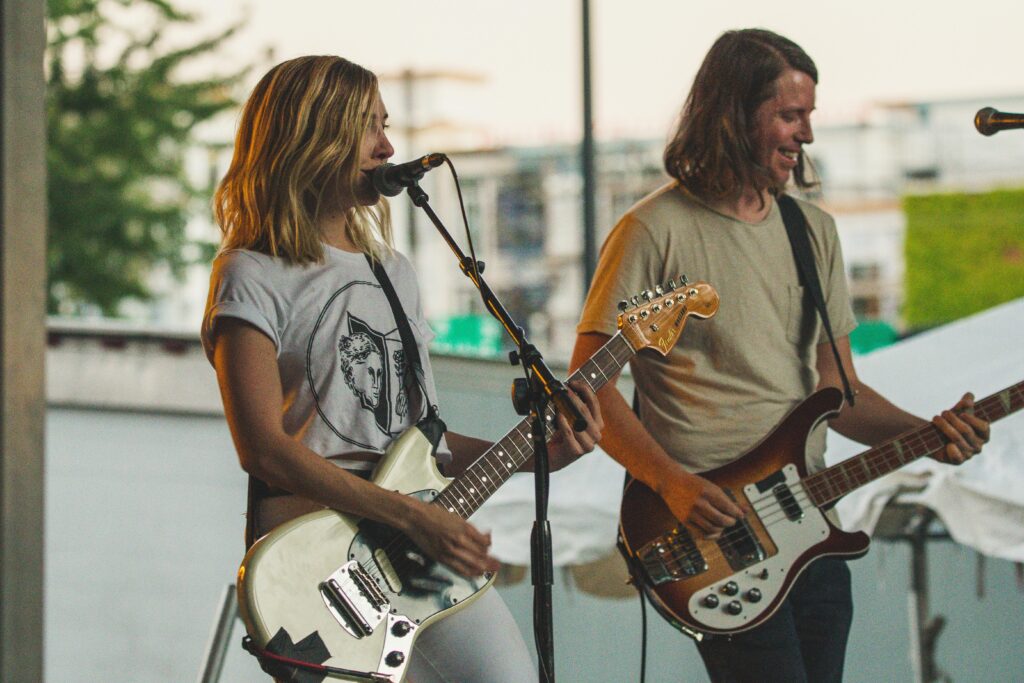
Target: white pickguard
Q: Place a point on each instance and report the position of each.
(279, 580)
(791, 537)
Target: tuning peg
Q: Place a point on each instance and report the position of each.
(658, 290)
(623, 305)
(683, 281)
(635, 300)
(671, 284)
(647, 295)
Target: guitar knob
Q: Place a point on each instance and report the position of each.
(734, 607)
(753, 595)
(711, 601)
(763, 575)
(394, 658)
(401, 628)
(731, 588)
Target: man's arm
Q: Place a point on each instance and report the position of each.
(691, 498)
(873, 419)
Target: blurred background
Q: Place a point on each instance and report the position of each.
(144, 497)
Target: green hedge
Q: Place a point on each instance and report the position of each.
(964, 253)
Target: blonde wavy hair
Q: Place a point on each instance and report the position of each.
(296, 152)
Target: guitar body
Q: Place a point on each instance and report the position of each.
(737, 581)
(285, 580)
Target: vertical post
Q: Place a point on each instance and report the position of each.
(409, 91)
(924, 629)
(22, 338)
(587, 159)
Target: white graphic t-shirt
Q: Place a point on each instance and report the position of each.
(339, 351)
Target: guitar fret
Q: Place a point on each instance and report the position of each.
(825, 486)
(485, 476)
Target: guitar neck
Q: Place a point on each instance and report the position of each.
(834, 482)
(467, 492)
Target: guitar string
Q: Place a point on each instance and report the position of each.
(802, 494)
(918, 444)
(817, 489)
(401, 545)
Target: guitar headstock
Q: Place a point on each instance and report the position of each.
(654, 320)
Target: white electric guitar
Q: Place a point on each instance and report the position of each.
(343, 597)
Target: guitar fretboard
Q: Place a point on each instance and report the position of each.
(835, 482)
(465, 494)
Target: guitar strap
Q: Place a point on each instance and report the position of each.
(432, 426)
(413, 370)
(796, 230)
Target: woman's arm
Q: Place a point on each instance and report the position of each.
(245, 360)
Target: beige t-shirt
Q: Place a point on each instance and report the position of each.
(732, 378)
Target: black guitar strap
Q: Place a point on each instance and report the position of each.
(413, 371)
(796, 229)
(432, 426)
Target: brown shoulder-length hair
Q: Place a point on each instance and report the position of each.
(711, 152)
(296, 151)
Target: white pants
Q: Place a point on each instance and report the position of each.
(479, 644)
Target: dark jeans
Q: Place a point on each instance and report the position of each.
(803, 642)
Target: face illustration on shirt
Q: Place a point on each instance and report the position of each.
(363, 367)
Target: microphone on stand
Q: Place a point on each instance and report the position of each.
(988, 121)
(391, 179)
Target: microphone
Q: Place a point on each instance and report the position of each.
(988, 121)
(391, 179)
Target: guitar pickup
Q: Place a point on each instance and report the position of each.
(740, 546)
(671, 557)
(355, 600)
(788, 502)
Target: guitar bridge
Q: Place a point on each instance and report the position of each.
(671, 557)
(354, 599)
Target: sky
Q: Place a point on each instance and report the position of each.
(645, 53)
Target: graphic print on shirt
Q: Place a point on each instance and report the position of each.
(355, 367)
(363, 357)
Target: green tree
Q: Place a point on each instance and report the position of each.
(120, 118)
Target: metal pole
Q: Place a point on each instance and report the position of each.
(924, 629)
(220, 637)
(587, 159)
(409, 88)
(22, 338)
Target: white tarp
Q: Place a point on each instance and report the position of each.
(981, 503)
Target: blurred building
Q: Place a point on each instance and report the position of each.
(524, 207)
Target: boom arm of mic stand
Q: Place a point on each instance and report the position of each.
(530, 357)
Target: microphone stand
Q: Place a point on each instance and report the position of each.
(534, 394)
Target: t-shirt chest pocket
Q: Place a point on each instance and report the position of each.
(802, 318)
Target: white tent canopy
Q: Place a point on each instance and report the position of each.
(982, 502)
